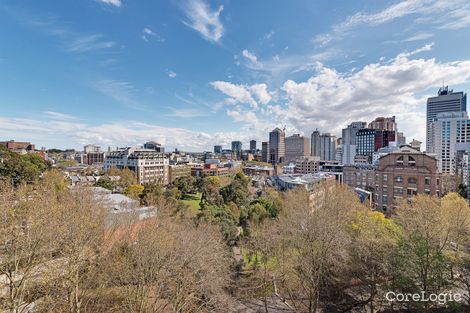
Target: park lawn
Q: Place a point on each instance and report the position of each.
(193, 201)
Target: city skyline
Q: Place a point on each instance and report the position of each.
(192, 74)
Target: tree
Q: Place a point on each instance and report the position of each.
(18, 168)
(127, 177)
(26, 233)
(172, 265)
(430, 226)
(134, 191)
(314, 228)
(106, 183)
(210, 191)
(373, 240)
(185, 184)
(78, 221)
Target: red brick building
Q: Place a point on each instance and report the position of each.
(403, 174)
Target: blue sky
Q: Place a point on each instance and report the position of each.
(194, 73)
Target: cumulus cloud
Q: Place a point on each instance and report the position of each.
(200, 17)
(243, 93)
(171, 74)
(329, 99)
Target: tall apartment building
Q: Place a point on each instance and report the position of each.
(297, 147)
(92, 155)
(315, 143)
(449, 133)
(445, 102)
(237, 150)
(150, 166)
(402, 174)
(384, 123)
(277, 149)
(327, 147)
(349, 141)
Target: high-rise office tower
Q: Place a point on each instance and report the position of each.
(297, 147)
(327, 147)
(315, 143)
(349, 141)
(445, 102)
(217, 149)
(237, 150)
(253, 146)
(265, 151)
(277, 149)
(450, 133)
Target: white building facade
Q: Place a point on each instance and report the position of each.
(150, 166)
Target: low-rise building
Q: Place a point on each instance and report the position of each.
(18, 146)
(256, 170)
(360, 176)
(307, 181)
(307, 165)
(402, 174)
(179, 170)
(209, 170)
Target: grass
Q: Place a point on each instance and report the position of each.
(193, 201)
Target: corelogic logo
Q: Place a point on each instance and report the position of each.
(441, 298)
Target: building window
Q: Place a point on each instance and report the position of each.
(384, 199)
(411, 192)
(400, 160)
(412, 180)
(398, 190)
(398, 179)
(427, 180)
(411, 161)
(385, 177)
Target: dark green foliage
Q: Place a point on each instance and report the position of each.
(237, 191)
(18, 168)
(185, 185)
(106, 183)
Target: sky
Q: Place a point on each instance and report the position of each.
(191, 74)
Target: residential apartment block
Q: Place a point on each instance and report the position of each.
(150, 166)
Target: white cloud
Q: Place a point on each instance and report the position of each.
(447, 14)
(116, 3)
(89, 43)
(148, 33)
(260, 92)
(243, 94)
(203, 19)
(59, 134)
(250, 56)
(329, 99)
(171, 74)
